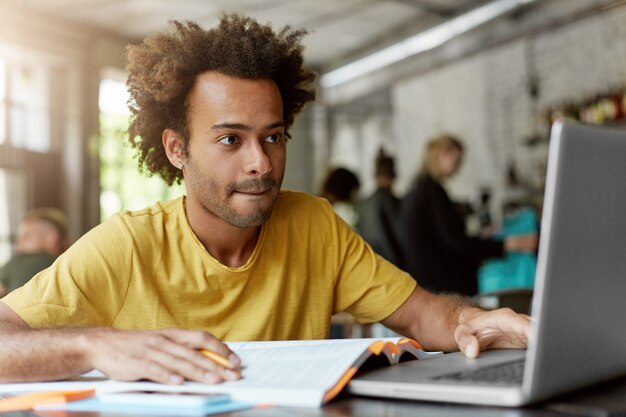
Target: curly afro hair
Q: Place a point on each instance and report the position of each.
(163, 69)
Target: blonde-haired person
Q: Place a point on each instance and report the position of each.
(41, 237)
(439, 253)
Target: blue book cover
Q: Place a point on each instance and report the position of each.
(219, 404)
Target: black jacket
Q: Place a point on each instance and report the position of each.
(380, 225)
(439, 254)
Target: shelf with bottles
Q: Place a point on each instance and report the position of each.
(604, 108)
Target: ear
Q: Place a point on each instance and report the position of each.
(172, 144)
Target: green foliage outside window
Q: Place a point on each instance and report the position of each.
(123, 187)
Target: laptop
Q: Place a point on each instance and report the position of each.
(578, 331)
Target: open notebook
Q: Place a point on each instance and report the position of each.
(302, 373)
(577, 335)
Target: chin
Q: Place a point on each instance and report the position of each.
(252, 220)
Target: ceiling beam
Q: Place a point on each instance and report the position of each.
(325, 19)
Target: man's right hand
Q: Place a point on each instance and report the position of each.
(168, 356)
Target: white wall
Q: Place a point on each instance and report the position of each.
(484, 99)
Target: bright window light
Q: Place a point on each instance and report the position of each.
(5, 230)
(113, 97)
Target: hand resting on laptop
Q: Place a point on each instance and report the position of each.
(450, 323)
(496, 329)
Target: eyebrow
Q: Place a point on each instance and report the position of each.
(241, 126)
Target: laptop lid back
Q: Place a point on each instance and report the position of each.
(579, 306)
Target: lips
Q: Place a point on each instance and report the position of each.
(253, 192)
(253, 187)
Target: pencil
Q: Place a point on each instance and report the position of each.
(218, 359)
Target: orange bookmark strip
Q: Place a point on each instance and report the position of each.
(412, 342)
(30, 400)
(377, 347)
(343, 381)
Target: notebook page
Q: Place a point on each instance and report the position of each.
(290, 373)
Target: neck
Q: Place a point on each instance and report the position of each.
(230, 245)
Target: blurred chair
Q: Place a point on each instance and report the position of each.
(345, 326)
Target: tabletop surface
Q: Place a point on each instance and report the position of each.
(607, 400)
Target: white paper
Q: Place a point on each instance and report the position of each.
(289, 373)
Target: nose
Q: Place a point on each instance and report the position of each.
(257, 160)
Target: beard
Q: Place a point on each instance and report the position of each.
(216, 199)
(260, 214)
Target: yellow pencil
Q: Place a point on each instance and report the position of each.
(218, 359)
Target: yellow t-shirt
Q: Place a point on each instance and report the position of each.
(147, 269)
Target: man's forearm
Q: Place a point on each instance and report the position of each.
(440, 315)
(162, 355)
(432, 319)
(450, 323)
(41, 355)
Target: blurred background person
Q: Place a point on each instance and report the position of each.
(379, 220)
(340, 188)
(439, 254)
(41, 238)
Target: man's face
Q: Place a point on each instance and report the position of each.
(235, 158)
(35, 236)
(449, 162)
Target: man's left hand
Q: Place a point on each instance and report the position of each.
(502, 328)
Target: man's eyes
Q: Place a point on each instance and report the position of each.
(233, 140)
(228, 140)
(275, 138)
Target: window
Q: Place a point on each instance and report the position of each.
(24, 101)
(122, 186)
(5, 231)
(29, 173)
(29, 111)
(3, 98)
(12, 183)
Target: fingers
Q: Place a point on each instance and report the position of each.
(181, 350)
(518, 330)
(209, 347)
(502, 328)
(185, 362)
(154, 372)
(200, 340)
(466, 340)
(166, 356)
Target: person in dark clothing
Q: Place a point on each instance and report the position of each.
(439, 253)
(379, 214)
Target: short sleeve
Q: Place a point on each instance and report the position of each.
(85, 286)
(368, 286)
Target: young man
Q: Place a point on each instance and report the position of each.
(236, 259)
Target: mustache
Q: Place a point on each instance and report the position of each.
(252, 184)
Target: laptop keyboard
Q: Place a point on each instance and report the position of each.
(502, 373)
